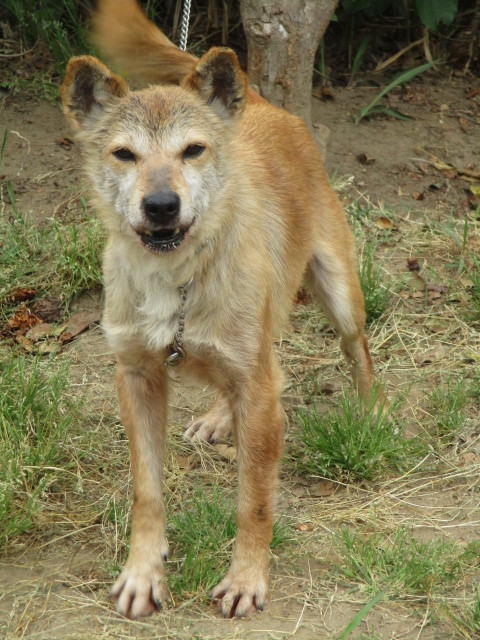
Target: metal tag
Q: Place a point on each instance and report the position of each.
(177, 354)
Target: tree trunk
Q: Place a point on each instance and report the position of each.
(282, 38)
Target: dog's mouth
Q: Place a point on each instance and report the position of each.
(163, 240)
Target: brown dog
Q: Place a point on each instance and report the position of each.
(217, 207)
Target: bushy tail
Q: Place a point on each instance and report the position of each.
(137, 47)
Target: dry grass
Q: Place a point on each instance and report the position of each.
(57, 574)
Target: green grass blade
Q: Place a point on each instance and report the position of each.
(357, 619)
(406, 76)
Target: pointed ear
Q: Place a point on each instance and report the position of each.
(89, 86)
(220, 81)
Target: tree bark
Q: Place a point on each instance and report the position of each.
(282, 38)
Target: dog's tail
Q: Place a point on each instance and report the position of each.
(136, 46)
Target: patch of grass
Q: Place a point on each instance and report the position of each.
(34, 418)
(39, 84)
(474, 291)
(352, 441)
(448, 406)
(61, 26)
(399, 563)
(374, 282)
(59, 259)
(467, 621)
(201, 536)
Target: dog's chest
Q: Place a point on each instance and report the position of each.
(163, 307)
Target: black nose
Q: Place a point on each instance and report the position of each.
(161, 207)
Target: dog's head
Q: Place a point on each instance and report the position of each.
(156, 156)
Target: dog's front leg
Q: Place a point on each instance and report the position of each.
(259, 421)
(142, 392)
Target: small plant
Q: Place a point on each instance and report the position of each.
(33, 423)
(59, 258)
(399, 563)
(403, 77)
(474, 292)
(448, 405)
(78, 260)
(354, 441)
(374, 283)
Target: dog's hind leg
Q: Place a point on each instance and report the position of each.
(213, 426)
(333, 281)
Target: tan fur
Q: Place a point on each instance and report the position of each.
(260, 216)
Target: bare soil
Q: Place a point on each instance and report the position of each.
(55, 585)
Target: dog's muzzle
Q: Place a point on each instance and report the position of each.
(162, 233)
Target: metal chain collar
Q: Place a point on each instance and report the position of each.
(176, 352)
(184, 24)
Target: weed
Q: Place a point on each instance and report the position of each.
(358, 617)
(59, 25)
(448, 406)
(33, 424)
(2, 148)
(374, 282)
(474, 291)
(399, 563)
(352, 441)
(77, 265)
(40, 84)
(403, 77)
(57, 258)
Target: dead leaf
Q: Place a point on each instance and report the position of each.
(323, 93)
(469, 458)
(65, 142)
(48, 309)
(24, 342)
(185, 462)
(431, 356)
(21, 320)
(227, 451)
(413, 264)
(304, 526)
(78, 323)
(47, 346)
(382, 222)
(418, 195)
(39, 331)
(22, 293)
(329, 387)
(322, 489)
(467, 283)
(475, 189)
(364, 159)
(303, 297)
(431, 286)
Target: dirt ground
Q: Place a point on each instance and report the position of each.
(55, 585)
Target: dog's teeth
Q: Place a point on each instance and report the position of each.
(147, 233)
(177, 230)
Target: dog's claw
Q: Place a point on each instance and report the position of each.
(240, 597)
(139, 593)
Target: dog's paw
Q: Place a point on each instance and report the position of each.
(241, 593)
(139, 591)
(211, 427)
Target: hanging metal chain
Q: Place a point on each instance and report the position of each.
(184, 24)
(176, 350)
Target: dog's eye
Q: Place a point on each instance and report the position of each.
(193, 151)
(124, 154)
